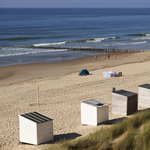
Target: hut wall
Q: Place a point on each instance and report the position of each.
(102, 114)
(27, 131)
(124, 105)
(88, 114)
(45, 132)
(119, 104)
(132, 104)
(143, 97)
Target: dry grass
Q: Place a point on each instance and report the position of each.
(132, 134)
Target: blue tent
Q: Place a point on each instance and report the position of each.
(83, 72)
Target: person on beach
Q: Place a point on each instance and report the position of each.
(115, 56)
(104, 56)
(108, 56)
(96, 57)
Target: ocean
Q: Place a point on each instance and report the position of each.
(35, 35)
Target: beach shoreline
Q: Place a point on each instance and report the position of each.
(61, 91)
(19, 73)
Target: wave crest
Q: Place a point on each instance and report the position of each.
(139, 34)
(35, 52)
(101, 39)
(46, 44)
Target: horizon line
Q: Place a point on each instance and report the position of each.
(82, 7)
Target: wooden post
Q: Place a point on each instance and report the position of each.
(37, 95)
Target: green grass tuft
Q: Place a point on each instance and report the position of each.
(128, 134)
(127, 142)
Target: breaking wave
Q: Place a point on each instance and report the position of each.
(117, 44)
(33, 52)
(139, 42)
(77, 41)
(46, 44)
(139, 34)
(101, 39)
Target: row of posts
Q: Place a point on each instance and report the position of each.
(111, 50)
(101, 50)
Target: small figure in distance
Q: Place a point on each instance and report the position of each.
(96, 57)
(115, 56)
(108, 56)
(104, 56)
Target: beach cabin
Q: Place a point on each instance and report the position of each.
(35, 128)
(144, 95)
(93, 112)
(124, 102)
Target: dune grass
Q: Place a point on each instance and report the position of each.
(128, 134)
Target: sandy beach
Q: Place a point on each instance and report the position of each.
(61, 92)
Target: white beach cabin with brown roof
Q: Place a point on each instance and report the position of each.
(35, 128)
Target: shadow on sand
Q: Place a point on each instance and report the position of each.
(146, 109)
(67, 136)
(111, 122)
(62, 137)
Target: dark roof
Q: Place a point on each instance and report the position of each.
(94, 102)
(36, 117)
(124, 93)
(147, 86)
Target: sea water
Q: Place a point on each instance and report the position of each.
(32, 35)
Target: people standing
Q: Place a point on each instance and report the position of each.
(115, 56)
(104, 56)
(96, 57)
(108, 56)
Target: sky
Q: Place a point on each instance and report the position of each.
(75, 3)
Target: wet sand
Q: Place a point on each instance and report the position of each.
(61, 92)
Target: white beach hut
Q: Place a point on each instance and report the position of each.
(93, 112)
(144, 95)
(35, 128)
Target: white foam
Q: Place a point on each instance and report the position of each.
(35, 52)
(122, 43)
(46, 44)
(130, 43)
(100, 39)
(139, 42)
(115, 44)
(97, 40)
(113, 37)
(142, 38)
